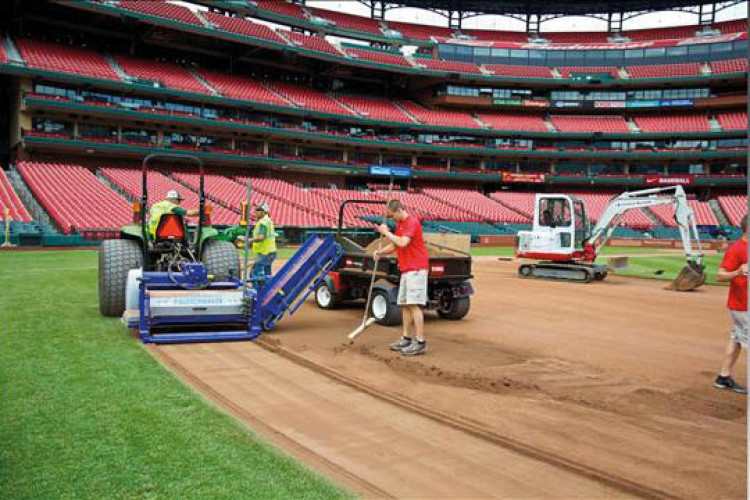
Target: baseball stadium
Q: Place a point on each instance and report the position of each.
(369, 248)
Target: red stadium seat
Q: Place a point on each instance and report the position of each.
(308, 98)
(420, 31)
(170, 75)
(567, 71)
(73, 196)
(519, 71)
(243, 27)
(439, 117)
(349, 22)
(733, 121)
(314, 43)
(584, 124)
(63, 58)
(506, 121)
(282, 8)
(672, 123)
(374, 108)
(241, 87)
(162, 9)
(729, 66)
(734, 207)
(379, 56)
(10, 200)
(498, 36)
(664, 70)
(448, 66)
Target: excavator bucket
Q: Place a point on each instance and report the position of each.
(691, 277)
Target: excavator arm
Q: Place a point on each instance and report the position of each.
(693, 275)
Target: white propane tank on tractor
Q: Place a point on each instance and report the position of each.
(132, 290)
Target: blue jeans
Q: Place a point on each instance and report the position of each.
(261, 269)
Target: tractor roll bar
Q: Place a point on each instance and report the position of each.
(346, 202)
(144, 184)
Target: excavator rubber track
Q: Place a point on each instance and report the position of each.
(581, 273)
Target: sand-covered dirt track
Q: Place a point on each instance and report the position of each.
(546, 389)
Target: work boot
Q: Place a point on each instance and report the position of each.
(729, 383)
(402, 343)
(415, 348)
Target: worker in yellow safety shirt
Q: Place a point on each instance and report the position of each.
(264, 243)
(171, 205)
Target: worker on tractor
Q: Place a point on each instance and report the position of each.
(264, 243)
(170, 205)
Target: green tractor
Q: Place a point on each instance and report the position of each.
(173, 242)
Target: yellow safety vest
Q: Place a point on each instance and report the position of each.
(155, 213)
(268, 245)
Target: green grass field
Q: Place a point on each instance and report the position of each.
(642, 263)
(86, 412)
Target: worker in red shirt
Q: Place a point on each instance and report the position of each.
(413, 262)
(734, 269)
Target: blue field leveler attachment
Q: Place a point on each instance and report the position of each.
(188, 305)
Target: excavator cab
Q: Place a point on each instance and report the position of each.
(560, 229)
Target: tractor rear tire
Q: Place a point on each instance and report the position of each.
(116, 258)
(221, 259)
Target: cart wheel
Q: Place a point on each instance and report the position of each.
(525, 271)
(324, 297)
(458, 309)
(384, 311)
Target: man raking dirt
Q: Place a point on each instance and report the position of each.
(413, 262)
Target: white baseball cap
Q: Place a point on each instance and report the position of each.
(262, 206)
(173, 195)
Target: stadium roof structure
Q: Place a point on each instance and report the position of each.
(536, 11)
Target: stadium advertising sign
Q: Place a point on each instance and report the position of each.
(530, 178)
(609, 104)
(386, 171)
(657, 180)
(508, 102)
(567, 104)
(535, 103)
(643, 104)
(676, 102)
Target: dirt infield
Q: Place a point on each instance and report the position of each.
(612, 380)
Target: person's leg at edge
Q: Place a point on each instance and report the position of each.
(418, 319)
(731, 354)
(406, 320)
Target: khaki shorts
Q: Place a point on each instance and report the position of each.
(739, 327)
(413, 288)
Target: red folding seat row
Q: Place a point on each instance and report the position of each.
(420, 31)
(519, 71)
(734, 207)
(308, 98)
(243, 27)
(282, 7)
(63, 58)
(664, 70)
(10, 200)
(439, 117)
(448, 66)
(567, 71)
(162, 9)
(735, 26)
(477, 206)
(672, 123)
(312, 42)
(241, 87)
(733, 121)
(729, 66)
(349, 22)
(73, 196)
(375, 109)
(590, 124)
(673, 33)
(530, 123)
(170, 75)
(522, 202)
(380, 57)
